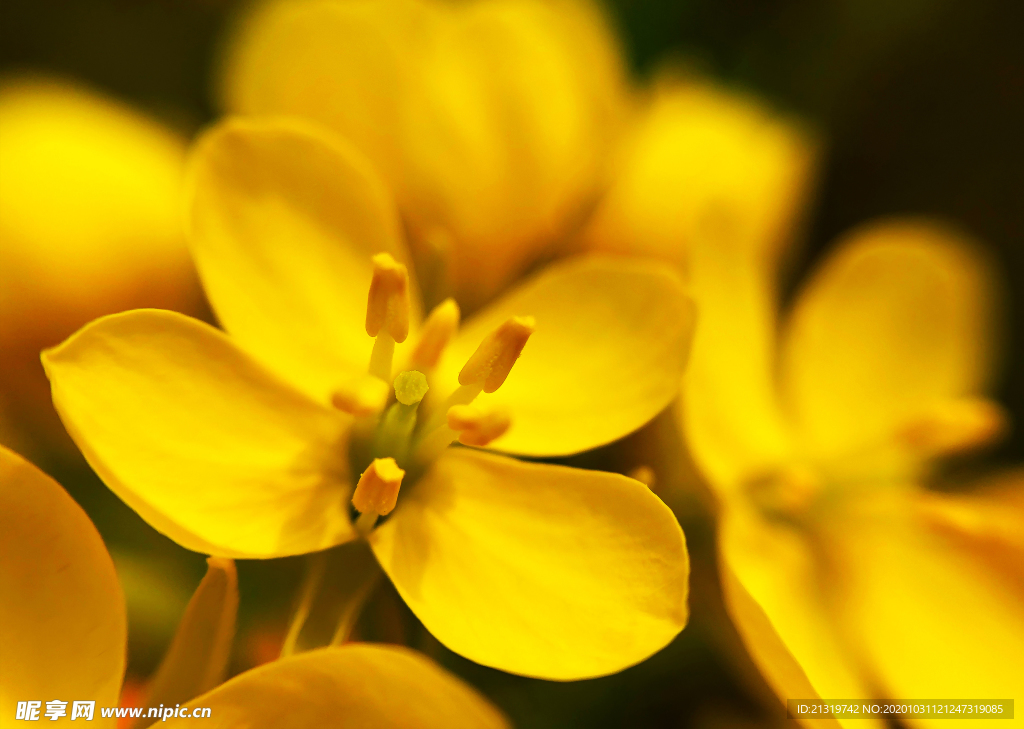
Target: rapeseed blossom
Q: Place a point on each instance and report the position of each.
(490, 120)
(63, 637)
(845, 574)
(260, 443)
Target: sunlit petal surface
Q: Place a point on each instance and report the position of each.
(611, 342)
(62, 615)
(540, 570)
(357, 686)
(206, 445)
(283, 224)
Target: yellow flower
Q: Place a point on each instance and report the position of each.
(703, 167)
(845, 576)
(229, 445)
(89, 224)
(491, 120)
(63, 633)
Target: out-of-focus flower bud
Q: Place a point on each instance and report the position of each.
(90, 224)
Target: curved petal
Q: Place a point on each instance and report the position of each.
(705, 167)
(283, 223)
(772, 584)
(729, 408)
(898, 318)
(539, 570)
(63, 627)
(931, 617)
(204, 444)
(608, 353)
(197, 658)
(357, 686)
(493, 131)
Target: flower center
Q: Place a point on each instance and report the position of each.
(391, 437)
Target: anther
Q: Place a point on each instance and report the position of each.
(363, 395)
(492, 361)
(377, 490)
(954, 426)
(387, 306)
(438, 330)
(477, 427)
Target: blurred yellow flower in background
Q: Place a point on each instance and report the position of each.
(491, 120)
(699, 158)
(63, 634)
(846, 577)
(90, 224)
(230, 445)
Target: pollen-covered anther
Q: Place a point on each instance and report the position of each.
(363, 395)
(492, 361)
(438, 330)
(377, 490)
(387, 307)
(954, 426)
(476, 426)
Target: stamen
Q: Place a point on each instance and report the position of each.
(438, 330)
(492, 361)
(476, 427)
(954, 426)
(387, 312)
(363, 395)
(387, 306)
(377, 492)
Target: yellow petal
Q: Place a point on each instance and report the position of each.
(702, 162)
(773, 590)
(494, 129)
(62, 615)
(283, 225)
(371, 686)
(931, 618)
(197, 659)
(90, 224)
(203, 443)
(896, 321)
(535, 569)
(729, 408)
(611, 341)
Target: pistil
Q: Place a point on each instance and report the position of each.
(396, 427)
